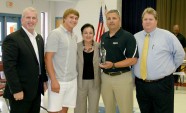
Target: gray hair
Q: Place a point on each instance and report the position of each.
(28, 9)
(114, 11)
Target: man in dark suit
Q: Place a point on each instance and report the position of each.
(24, 67)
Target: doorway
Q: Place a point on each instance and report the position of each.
(8, 24)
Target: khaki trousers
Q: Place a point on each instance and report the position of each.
(117, 91)
(89, 96)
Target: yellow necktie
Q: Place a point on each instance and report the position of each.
(143, 65)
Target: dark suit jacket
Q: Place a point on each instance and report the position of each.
(21, 66)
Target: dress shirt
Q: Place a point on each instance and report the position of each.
(165, 53)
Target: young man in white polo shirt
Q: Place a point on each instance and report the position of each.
(60, 58)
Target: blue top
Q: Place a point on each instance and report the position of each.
(165, 53)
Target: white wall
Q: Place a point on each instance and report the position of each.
(19, 5)
(88, 9)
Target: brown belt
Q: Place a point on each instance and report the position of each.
(115, 73)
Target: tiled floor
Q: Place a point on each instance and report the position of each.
(180, 102)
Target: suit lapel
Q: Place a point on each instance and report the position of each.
(38, 40)
(80, 52)
(95, 52)
(28, 43)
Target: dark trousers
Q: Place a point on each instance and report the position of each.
(23, 106)
(155, 97)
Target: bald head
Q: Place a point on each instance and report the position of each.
(176, 29)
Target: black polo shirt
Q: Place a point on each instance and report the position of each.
(119, 47)
(182, 39)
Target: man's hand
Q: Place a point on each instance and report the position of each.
(106, 65)
(19, 96)
(45, 86)
(55, 87)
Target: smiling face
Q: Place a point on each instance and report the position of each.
(29, 20)
(88, 34)
(149, 19)
(70, 21)
(149, 23)
(113, 20)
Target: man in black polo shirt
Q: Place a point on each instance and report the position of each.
(181, 38)
(121, 53)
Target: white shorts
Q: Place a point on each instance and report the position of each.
(65, 98)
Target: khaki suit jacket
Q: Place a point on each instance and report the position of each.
(80, 64)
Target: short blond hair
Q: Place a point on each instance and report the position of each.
(70, 11)
(150, 10)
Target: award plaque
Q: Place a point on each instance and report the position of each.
(103, 53)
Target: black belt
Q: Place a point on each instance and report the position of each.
(115, 73)
(149, 81)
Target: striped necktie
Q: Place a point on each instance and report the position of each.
(143, 65)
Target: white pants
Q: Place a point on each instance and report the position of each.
(65, 98)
